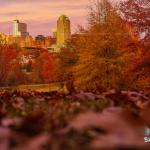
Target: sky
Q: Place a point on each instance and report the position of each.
(41, 15)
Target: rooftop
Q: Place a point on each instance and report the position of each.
(63, 17)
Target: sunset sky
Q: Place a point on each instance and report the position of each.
(41, 15)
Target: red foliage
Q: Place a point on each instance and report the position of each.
(137, 13)
(8, 55)
(45, 64)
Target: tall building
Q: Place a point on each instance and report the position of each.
(63, 30)
(19, 29)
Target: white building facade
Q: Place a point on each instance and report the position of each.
(19, 29)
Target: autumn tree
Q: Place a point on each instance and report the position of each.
(8, 56)
(105, 52)
(66, 59)
(44, 68)
(16, 76)
(136, 12)
(35, 77)
(48, 67)
(99, 11)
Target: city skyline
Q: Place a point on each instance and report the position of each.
(45, 20)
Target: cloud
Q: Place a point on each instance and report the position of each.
(41, 15)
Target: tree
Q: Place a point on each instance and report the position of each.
(35, 76)
(139, 73)
(137, 13)
(66, 59)
(16, 76)
(99, 11)
(44, 68)
(48, 67)
(8, 56)
(105, 52)
(29, 66)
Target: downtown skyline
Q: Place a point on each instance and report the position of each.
(41, 15)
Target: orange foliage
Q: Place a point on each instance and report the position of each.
(44, 67)
(8, 55)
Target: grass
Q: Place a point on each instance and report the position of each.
(36, 87)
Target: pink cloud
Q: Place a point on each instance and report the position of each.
(41, 15)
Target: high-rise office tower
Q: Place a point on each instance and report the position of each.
(63, 30)
(19, 29)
